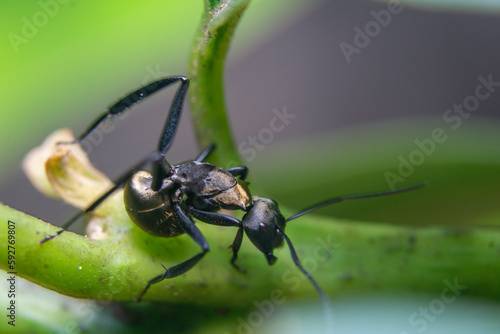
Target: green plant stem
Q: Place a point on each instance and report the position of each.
(363, 257)
(206, 71)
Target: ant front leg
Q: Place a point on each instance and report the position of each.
(235, 248)
(223, 220)
(142, 93)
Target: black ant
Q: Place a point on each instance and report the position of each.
(162, 202)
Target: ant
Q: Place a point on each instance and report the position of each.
(162, 202)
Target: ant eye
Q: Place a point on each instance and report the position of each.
(184, 175)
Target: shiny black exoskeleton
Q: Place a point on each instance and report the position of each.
(162, 202)
(193, 185)
(264, 225)
(159, 202)
(156, 211)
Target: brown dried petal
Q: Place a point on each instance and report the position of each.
(64, 171)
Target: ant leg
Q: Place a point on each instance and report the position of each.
(236, 247)
(223, 220)
(174, 115)
(215, 218)
(190, 228)
(160, 171)
(168, 132)
(154, 157)
(139, 95)
(242, 172)
(205, 153)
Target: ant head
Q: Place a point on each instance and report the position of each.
(261, 224)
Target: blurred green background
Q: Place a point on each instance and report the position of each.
(61, 62)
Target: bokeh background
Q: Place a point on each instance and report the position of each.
(353, 119)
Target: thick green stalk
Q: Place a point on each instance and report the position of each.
(206, 70)
(345, 257)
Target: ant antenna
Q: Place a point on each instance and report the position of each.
(321, 293)
(319, 290)
(345, 198)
